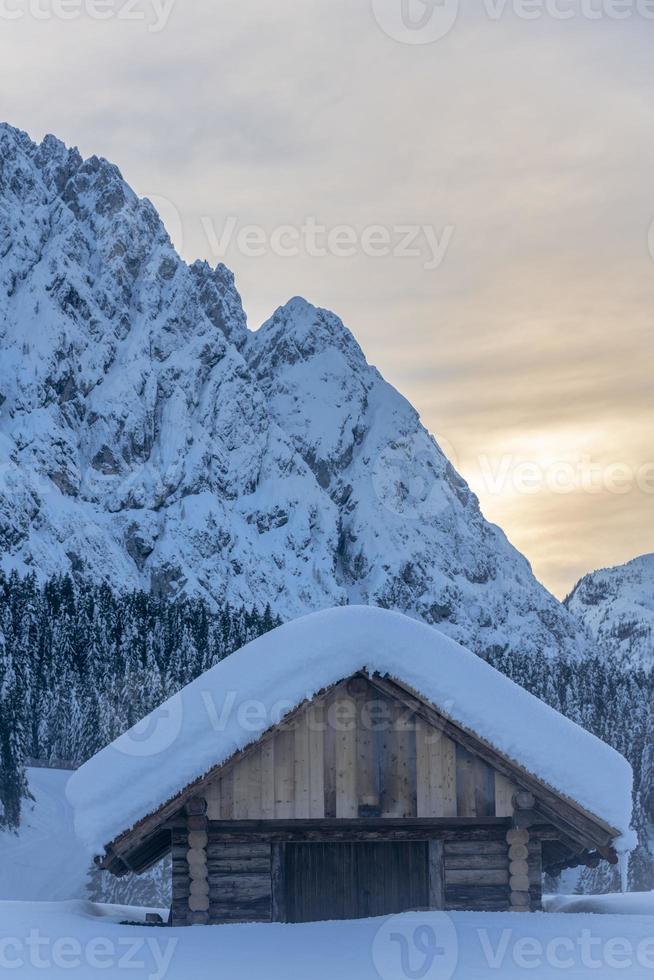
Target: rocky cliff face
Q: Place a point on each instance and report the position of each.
(149, 438)
(617, 606)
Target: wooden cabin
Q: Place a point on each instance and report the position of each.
(366, 798)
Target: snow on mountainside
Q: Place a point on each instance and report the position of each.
(617, 606)
(147, 437)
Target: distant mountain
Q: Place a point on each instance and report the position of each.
(617, 606)
(147, 437)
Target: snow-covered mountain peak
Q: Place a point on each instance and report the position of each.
(13, 140)
(146, 436)
(317, 381)
(55, 162)
(300, 331)
(617, 606)
(221, 301)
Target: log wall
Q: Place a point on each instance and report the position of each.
(484, 870)
(239, 882)
(477, 875)
(181, 878)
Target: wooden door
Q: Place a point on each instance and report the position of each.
(319, 882)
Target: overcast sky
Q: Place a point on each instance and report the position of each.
(521, 324)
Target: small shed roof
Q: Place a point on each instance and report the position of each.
(234, 703)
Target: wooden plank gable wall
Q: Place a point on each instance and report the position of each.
(354, 754)
(357, 753)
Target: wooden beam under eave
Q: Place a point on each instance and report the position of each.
(348, 830)
(137, 860)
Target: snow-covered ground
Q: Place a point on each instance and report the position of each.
(80, 939)
(634, 903)
(41, 935)
(45, 861)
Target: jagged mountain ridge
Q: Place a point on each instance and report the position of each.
(147, 437)
(617, 606)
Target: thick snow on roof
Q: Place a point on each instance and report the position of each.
(232, 704)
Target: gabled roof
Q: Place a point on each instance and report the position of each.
(234, 703)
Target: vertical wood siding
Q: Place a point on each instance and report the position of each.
(352, 881)
(358, 753)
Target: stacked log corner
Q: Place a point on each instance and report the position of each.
(525, 858)
(518, 841)
(190, 867)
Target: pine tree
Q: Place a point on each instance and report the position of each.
(13, 784)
